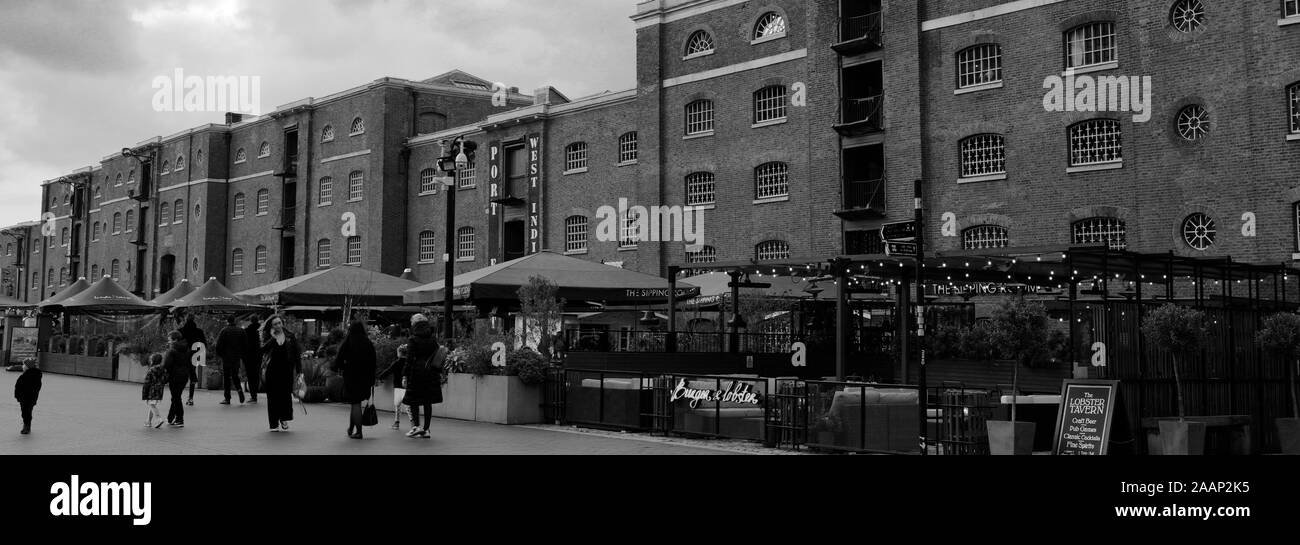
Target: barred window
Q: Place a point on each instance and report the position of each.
(180, 162)
(700, 188)
(1096, 141)
(240, 156)
(1199, 231)
(769, 25)
(706, 254)
(263, 202)
(1293, 100)
(699, 117)
(1187, 15)
(358, 126)
(466, 177)
(355, 183)
(427, 184)
(428, 247)
(264, 150)
(699, 43)
(354, 251)
(327, 133)
(771, 250)
(178, 211)
(117, 223)
(575, 234)
(259, 259)
(575, 156)
(1090, 45)
(1096, 231)
(627, 148)
(240, 205)
(36, 280)
(325, 193)
(128, 225)
(324, 247)
(984, 237)
(166, 167)
(1290, 8)
(630, 234)
(771, 180)
(237, 262)
(769, 103)
(115, 270)
(979, 65)
(465, 243)
(983, 155)
(164, 216)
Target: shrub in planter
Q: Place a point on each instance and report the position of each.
(1281, 337)
(528, 365)
(1179, 331)
(1019, 330)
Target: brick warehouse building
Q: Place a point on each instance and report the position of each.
(799, 125)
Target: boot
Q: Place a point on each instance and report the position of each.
(27, 429)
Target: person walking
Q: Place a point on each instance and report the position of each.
(422, 377)
(155, 381)
(356, 361)
(231, 348)
(283, 358)
(253, 357)
(26, 390)
(193, 334)
(396, 369)
(177, 363)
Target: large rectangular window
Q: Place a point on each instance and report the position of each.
(699, 117)
(1290, 8)
(1091, 44)
(1095, 142)
(575, 234)
(627, 148)
(770, 104)
(1111, 232)
(771, 180)
(700, 188)
(465, 242)
(983, 155)
(979, 65)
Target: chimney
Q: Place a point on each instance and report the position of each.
(232, 118)
(548, 95)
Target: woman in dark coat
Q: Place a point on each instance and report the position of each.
(282, 358)
(177, 364)
(356, 361)
(423, 373)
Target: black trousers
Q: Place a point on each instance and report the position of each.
(194, 379)
(230, 374)
(415, 414)
(252, 370)
(27, 413)
(177, 412)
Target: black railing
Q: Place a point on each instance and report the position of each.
(863, 242)
(956, 420)
(864, 194)
(718, 406)
(606, 399)
(657, 341)
(865, 110)
(863, 417)
(862, 27)
(286, 220)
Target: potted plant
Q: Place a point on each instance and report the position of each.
(1179, 331)
(1281, 337)
(1019, 331)
(315, 375)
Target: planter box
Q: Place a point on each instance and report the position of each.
(459, 396)
(1182, 438)
(494, 399)
(130, 368)
(1000, 438)
(210, 378)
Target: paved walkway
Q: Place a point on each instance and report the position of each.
(78, 415)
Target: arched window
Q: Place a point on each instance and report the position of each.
(178, 211)
(358, 127)
(627, 148)
(1097, 231)
(95, 231)
(771, 180)
(983, 155)
(240, 156)
(354, 251)
(700, 188)
(979, 65)
(9, 249)
(99, 193)
(263, 202)
(198, 157)
(180, 162)
(770, 25)
(1096, 142)
(428, 247)
(118, 182)
(63, 276)
(264, 150)
(575, 156)
(575, 234)
(117, 223)
(1090, 44)
(700, 43)
(166, 167)
(1293, 106)
(115, 271)
(259, 259)
(770, 104)
(94, 272)
(771, 250)
(984, 237)
(323, 250)
(427, 185)
(237, 262)
(356, 182)
(327, 133)
(63, 237)
(325, 194)
(129, 223)
(706, 254)
(240, 205)
(630, 233)
(465, 243)
(699, 117)
(130, 177)
(164, 214)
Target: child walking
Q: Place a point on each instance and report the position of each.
(26, 390)
(155, 381)
(397, 368)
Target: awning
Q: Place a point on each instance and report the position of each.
(213, 296)
(10, 302)
(182, 289)
(106, 296)
(77, 287)
(336, 287)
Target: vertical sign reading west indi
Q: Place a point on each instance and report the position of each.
(1083, 422)
(534, 193)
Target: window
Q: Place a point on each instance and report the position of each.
(118, 183)
(63, 237)
(427, 185)
(259, 259)
(700, 188)
(325, 194)
(699, 43)
(95, 231)
(699, 117)
(627, 148)
(178, 211)
(1199, 231)
(706, 254)
(770, 25)
(631, 231)
(466, 177)
(770, 250)
(428, 247)
(465, 243)
(355, 181)
(1293, 100)
(240, 156)
(358, 127)
(575, 156)
(1187, 15)
(166, 167)
(1091, 44)
(771, 180)
(63, 276)
(1295, 211)
(264, 150)
(1096, 231)
(237, 262)
(130, 177)
(36, 280)
(1193, 123)
(327, 133)
(94, 272)
(263, 202)
(117, 223)
(9, 248)
(769, 104)
(984, 237)
(115, 271)
(1095, 142)
(575, 234)
(99, 193)
(1290, 8)
(240, 205)
(198, 157)
(983, 155)
(323, 250)
(164, 214)
(54, 242)
(129, 226)
(180, 162)
(354, 251)
(197, 210)
(979, 65)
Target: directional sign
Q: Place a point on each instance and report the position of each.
(899, 231)
(444, 180)
(900, 249)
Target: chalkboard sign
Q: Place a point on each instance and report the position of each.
(1083, 422)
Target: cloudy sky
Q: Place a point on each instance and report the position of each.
(76, 75)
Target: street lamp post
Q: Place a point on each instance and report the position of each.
(451, 164)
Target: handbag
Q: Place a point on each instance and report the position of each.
(369, 415)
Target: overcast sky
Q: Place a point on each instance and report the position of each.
(75, 76)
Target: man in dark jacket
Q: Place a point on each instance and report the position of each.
(26, 390)
(193, 334)
(253, 357)
(231, 347)
(177, 363)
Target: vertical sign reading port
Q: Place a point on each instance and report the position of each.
(494, 193)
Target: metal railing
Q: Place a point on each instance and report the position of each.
(863, 417)
(657, 341)
(285, 222)
(862, 27)
(866, 110)
(864, 194)
(956, 420)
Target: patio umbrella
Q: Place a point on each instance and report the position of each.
(55, 301)
(10, 302)
(213, 296)
(336, 287)
(181, 289)
(108, 297)
(575, 279)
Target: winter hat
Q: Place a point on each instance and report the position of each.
(418, 318)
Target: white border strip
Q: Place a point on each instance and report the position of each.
(196, 182)
(986, 13)
(345, 156)
(251, 176)
(735, 68)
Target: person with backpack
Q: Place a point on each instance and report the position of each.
(422, 377)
